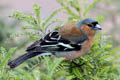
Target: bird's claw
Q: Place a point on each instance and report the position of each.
(75, 65)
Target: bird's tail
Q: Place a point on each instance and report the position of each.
(24, 57)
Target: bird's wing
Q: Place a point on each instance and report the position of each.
(53, 42)
(34, 45)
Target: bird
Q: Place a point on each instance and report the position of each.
(70, 41)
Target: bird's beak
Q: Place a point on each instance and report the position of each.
(97, 27)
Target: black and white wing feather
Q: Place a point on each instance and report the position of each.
(53, 42)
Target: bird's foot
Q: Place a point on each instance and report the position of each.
(77, 65)
(74, 65)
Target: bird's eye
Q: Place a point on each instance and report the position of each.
(89, 25)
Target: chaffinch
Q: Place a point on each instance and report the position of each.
(70, 41)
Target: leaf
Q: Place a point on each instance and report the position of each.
(52, 21)
(34, 38)
(45, 76)
(90, 7)
(37, 12)
(77, 5)
(55, 65)
(77, 72)
(71, 77)
(115, 50)
(22, 17)
(28, 27)
(100, 18)
(3, 51)
(52, 15)
(6, 57)
(27, 75)
(68, 10)
(74, 4)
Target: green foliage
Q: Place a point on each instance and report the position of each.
(100, 63)
(6, 29)
(36, 23)
(90, 7)
(66, 4)
(4, 56)
(74, 9)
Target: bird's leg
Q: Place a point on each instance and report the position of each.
(78, 65)
(75, 65)
(70, 66)
(75, 78)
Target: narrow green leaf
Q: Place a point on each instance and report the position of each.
(23, 17)
(90, 7)
(100, 18)
(52, 21)
(28, 27)
(67, 9)
(77, 72)
(115, 50)
(27, 75)
(5, 59)
(37, 12)
(55, 65)
(52, 15)
(45, 76)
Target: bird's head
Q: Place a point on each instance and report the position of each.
(89, 26)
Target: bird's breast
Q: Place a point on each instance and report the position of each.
(85, 48)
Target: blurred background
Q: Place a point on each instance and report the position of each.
(110, 9)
